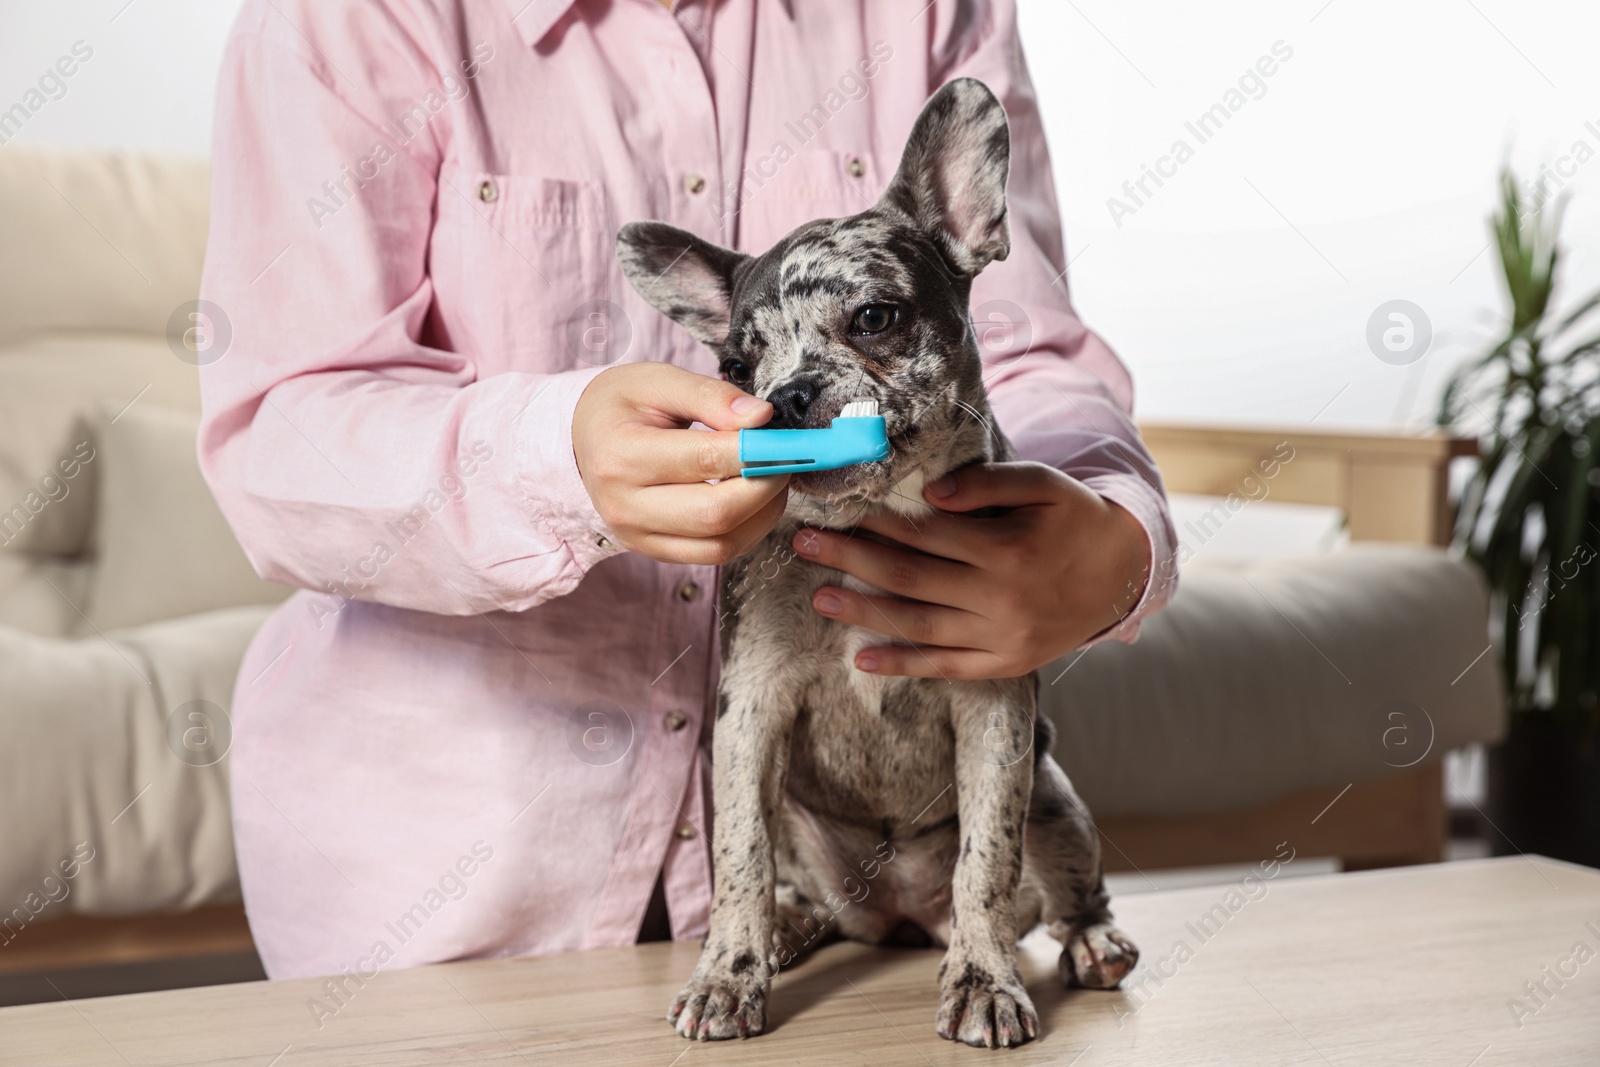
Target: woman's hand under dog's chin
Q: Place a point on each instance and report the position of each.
(987, 597)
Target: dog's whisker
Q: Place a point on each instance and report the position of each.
(896, 492)
(976, 414)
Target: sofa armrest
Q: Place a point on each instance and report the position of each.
(1389, 487)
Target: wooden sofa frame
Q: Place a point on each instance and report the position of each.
(1389, 489)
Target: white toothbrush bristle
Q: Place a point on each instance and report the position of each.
(859, 409)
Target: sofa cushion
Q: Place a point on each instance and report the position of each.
(117, 781)
(40, 594)
(164, 549)
(50, 392)
(98, 241)
(1255, 682)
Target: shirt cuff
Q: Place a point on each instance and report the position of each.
(1144, 503)
(551, 485)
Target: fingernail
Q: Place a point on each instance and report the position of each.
(745, 404)
(943, 487)
(828, 603)
(807, 543)
(867, 662)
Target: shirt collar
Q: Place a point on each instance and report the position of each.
(534, 18)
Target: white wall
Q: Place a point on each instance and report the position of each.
(148, 85)
(1378, 141)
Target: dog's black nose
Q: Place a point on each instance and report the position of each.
(790, 402)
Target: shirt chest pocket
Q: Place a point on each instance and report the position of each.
(525, 272)
(782, 191)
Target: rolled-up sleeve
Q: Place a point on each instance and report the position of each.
(348, 455)
(1058, 391)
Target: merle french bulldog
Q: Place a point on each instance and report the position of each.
(886, 810)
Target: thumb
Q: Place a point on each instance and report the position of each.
(688, 397)
(992, 485)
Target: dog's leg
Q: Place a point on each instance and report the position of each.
(981, 998)
(1063, 865)
(727, 995)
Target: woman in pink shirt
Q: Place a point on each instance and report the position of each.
(480, 727)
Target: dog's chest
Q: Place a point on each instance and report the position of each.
(877, 755)
(863, 746)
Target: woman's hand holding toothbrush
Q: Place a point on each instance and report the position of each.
(655, 481)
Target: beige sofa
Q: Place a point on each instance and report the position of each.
(123, 597)
(125, 606)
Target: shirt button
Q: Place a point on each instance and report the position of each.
(488, 193)
(694, 184)
(685, 832)
(855, 168)
(602, 541)
(675, 721)
(689, 592)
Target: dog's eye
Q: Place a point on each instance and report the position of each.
(737, 371)
(874, 318)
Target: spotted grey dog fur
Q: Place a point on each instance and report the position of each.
(878, 809)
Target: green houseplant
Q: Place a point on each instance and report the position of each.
(1530, 518)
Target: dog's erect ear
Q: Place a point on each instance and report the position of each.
(952, 178)
(685, 278)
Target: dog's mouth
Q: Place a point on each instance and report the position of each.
(912, 422)
(863, 483)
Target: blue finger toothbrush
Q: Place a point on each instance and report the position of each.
(856, 435)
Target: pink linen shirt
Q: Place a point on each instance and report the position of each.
(480, 728)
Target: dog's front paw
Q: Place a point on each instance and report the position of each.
(979, 1009)
(717, 1007)
(1097, 957)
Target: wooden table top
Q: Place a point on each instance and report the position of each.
(1424, 965)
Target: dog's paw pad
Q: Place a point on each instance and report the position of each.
(718, 1008)
(987, 1015)
(1097, 957)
